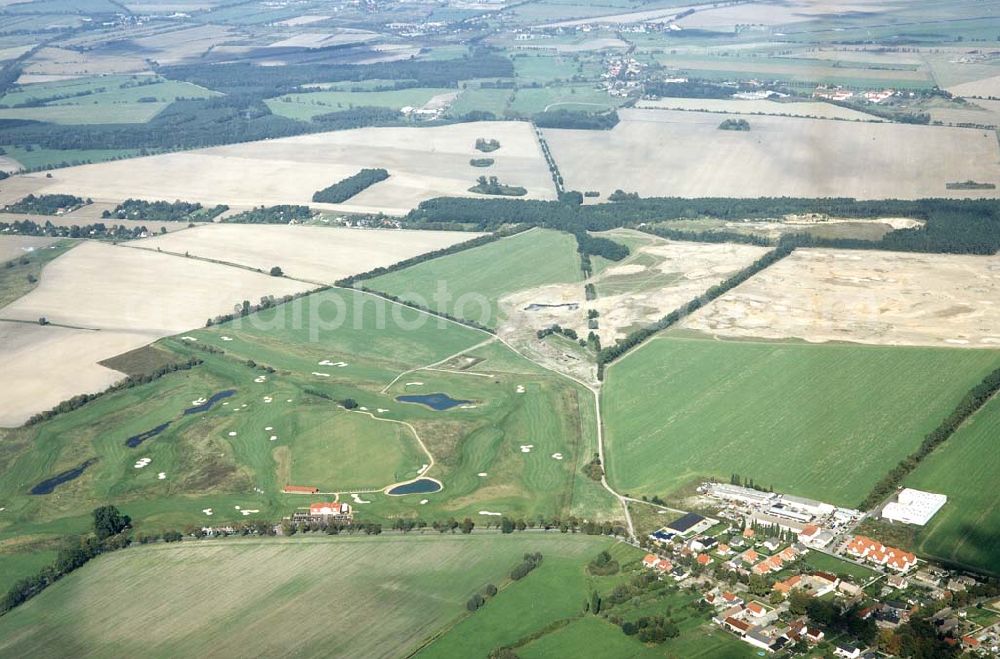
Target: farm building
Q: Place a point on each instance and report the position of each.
(914, 507)
(806, 506)
(330, 510)
(690, 524)
(739, 494)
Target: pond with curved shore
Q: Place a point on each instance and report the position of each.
(135, 440)
(436, 401)
(207, 405)
(419, 486)
(50, 484)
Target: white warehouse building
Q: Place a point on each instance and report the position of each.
(914, 507)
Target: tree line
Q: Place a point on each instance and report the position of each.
(46, 204)
(576, 120)
(280, 214)
(956, 226)
(973, 400)
(611, 353)
(164, 211)
(96, 230)
(343, 190)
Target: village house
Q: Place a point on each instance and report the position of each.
(847, 651)
(875, 552)
(756, 610)
(786, 586)
(703, 559)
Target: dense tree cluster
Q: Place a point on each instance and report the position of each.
(46, 204)
(530, 562)
(970, 403)
(603, 565)
(481, 162)
(487, 145)
(164, 211)
(280, 214)
(735, 124)
(98, 230)
(958, 226)
(345, 189)
(492, 186)
(577, 120)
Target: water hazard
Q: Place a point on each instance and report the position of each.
(434, 401)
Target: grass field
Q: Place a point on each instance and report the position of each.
(36, 157)
(209, 597)
(475, 279)
(16, 280)
(306, 106)
(484, 100)
(586, 98)
(823, 421)
(118, 113)
(967, 529)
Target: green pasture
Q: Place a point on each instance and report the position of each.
(118, 113)
(37, 157)
(475, 279)
(967, 529)
(204, 597)
(482, 100)
(545, 68)
(562, 97)
(824, 421)
(14, 281)
(304, 107)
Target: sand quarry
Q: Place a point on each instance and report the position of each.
(633, 294)
(422, 163)
(884, 298)
(678, 153)
(322, 254)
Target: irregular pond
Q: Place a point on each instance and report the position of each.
(419, 486)
(207, 405)
(434, 401)
(135, 440)
(538, 306)
(49, 484)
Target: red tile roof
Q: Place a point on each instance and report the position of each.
(703, 559)
(299, 489)
(737, 623)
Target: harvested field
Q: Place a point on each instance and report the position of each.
(655, 279)
(886, 298)
(44, 366)
(816, 109)
(674, 153)
(838, 415)
(422, 163)
(986, 87)
(64, 64)
(210, 594)
(98, 286)
(323, 254)
(14, 246)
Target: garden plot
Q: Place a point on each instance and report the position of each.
(871, 297)
(422, 162)
(656, 279)
(317, 253)
(45, 365)
(677, 153)
(98, 286)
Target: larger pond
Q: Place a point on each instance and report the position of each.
(419, 486)
(135, 440)
(434, 401)
(207, 405)
(50, 484)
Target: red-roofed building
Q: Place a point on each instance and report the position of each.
(756, 609)
(786, 586)
(703, 559)
(788, 554)
(748, 533)
(663, 565)
(723, 549)
(808, 533)
(299, 489)
(749, 556)
(736, 625)
(731, 598)
(650, 560)
(329, 509)
(875, 552)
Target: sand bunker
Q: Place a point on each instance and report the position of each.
(358, 499)
(487, 512)
(162, 475)
(142, 462)
(321, 375)
(557, 456)
(526, 448)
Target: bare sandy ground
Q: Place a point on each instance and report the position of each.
(100, 286)
(983, 88)
(656, 279)
(14, 246)
(675, 153)
(319, 254)
(44, 366)
(735, 106)
(886, 298)
(422, 163)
